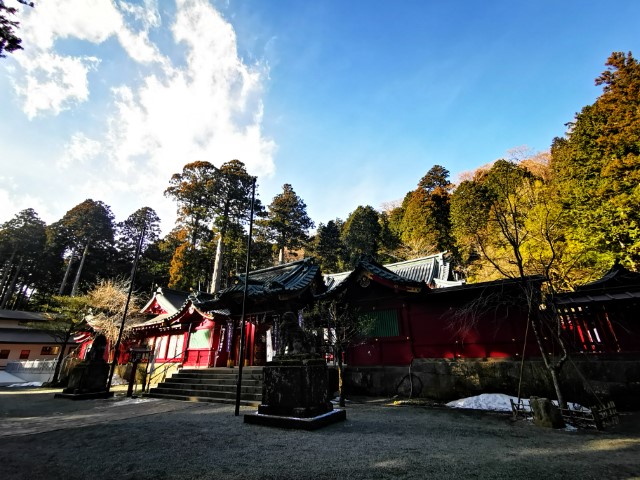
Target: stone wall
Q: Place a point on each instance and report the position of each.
(582, 377)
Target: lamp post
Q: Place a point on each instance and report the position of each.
(244, 300)
(116, 349)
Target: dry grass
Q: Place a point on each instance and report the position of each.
(108, 301)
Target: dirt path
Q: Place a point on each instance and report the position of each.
(43, 438)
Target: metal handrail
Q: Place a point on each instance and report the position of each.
(168, 363)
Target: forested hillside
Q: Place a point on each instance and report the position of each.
(567, 214)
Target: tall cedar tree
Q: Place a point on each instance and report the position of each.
(22, 245)
(361, 234)
(426, 226)
(287, 220)
(192, 190)
(88, 225)
(207, 198)
(232, 207)
(145, 220)
(327, 246)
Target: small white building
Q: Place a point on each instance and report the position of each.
(22, 342)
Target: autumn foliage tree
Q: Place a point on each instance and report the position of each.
(597, 168)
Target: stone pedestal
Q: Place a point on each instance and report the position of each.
(87, 380)
(295, 394)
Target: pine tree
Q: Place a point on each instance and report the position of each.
(287, 220)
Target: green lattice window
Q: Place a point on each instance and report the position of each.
(385, 323)
(200, 339)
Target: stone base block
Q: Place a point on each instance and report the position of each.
(84, 396)
(310, 423)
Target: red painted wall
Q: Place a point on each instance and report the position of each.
(428, 329)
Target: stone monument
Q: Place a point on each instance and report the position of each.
(295, 391)
(88, 380)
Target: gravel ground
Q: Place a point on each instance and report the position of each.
(46, 438)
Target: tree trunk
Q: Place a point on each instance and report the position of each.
(217, 267)
(552, 369)
(341, 401)
(7, 272)
(12, 285)
(556, 385)
(281, 256)
(22, 293)
(66, 272)
(76, 282)
(56, 371)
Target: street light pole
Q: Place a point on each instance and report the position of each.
(244, 300)
(116, 350)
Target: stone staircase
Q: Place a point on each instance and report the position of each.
(216, 385)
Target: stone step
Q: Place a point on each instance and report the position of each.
(206, 393)
(223, 371)
(214, 381)
(256, 389)
(215, 377)
(212, 385)
(186, 398)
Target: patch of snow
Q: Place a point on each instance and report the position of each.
(570, 428)
(497, 402)
(26, 384)
(118, 380)
(500, 402)
(117, 401)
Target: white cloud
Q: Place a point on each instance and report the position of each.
(90, 20)
(79, 151)
(210, 109)
(147, 14)
(12, 201)
(53, 82)
(203, 103)
(206, 105)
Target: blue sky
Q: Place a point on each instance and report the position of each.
(350, 102)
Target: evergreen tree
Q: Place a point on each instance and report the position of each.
(361, 234)
(425, 224)
(145, 220)
(232, 205)
(22, 247)
(327, 246)
(287, 220)
(193, 192)
(88, 225)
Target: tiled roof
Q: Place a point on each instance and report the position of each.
(170, 300)
(273, 281)
(432, 270)
(575, 298)
(617, 276)
(424, 269)
(339, 281)
(23, 316)
(617, 284)
(15, 335)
